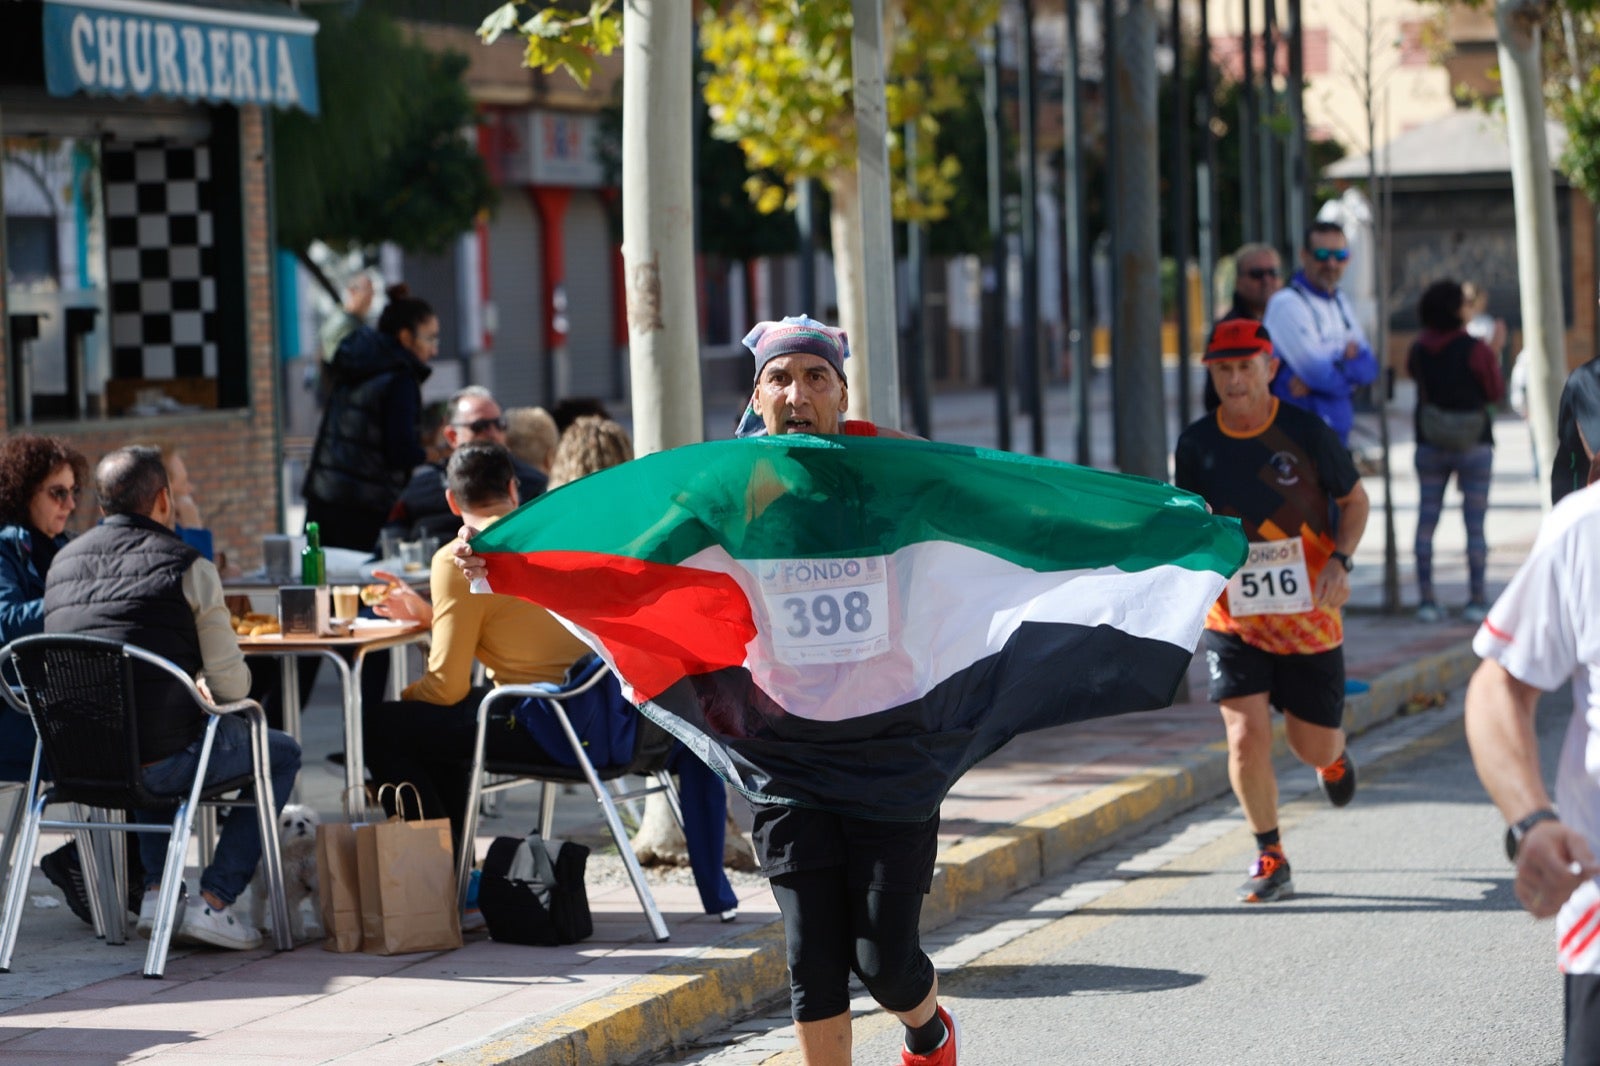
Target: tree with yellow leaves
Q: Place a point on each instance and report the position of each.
(782, 89)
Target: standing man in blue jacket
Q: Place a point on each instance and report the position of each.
(1316, 334)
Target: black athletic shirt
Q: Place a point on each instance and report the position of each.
(1280, 482)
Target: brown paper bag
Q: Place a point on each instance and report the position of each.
(338, 886)
(408, 887)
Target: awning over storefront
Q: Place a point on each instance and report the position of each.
(238, 53)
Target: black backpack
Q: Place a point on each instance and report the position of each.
(529, 897)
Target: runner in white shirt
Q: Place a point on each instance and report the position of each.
(1541, 633)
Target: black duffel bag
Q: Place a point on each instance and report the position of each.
(531, 891)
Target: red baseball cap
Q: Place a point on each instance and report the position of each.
(1237, 338)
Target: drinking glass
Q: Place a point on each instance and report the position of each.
(346, 602)
(412, 559)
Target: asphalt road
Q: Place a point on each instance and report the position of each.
(1403, 945)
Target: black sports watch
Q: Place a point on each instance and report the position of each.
(1516, 831)
(1344, 560)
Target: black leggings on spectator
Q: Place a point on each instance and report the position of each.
(430, 745)
(833, 927)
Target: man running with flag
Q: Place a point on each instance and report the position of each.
(840, 625)
(1275, 638)
(849, 888)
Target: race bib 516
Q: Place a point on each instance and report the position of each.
(1273, 580)
(826, 610)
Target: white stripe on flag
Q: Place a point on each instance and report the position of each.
(953, 605)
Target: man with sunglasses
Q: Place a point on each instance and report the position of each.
(472, 416)
(1316, 333)
(1258, 273)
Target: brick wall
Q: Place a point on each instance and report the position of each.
(232, 455)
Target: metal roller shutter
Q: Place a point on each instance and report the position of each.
(516, 287)
(592, 357)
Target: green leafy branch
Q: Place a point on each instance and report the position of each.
(557, 38)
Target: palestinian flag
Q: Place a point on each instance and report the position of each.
(851, 622)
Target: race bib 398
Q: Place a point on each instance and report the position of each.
(826, 610)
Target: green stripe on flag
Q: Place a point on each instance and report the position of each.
(799, 496)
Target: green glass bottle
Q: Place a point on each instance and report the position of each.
(313, 564)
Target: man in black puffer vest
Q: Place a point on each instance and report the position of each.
(132, 579)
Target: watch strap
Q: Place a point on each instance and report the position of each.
(1343, 560)
(1523, 826)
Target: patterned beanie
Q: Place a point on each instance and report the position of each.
(798, 334)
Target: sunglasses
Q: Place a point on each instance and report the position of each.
(483, 425)
(62, 494)
(1322, 255)
(1261, 273)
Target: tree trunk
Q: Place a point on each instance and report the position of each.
(1137, 375)
(876, 336)
(1533, 188)
(658, 226)
(849, 254)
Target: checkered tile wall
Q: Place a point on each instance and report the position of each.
(162, 260)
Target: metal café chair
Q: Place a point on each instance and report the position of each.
(652, 747)
(79, 691)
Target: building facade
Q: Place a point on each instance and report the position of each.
(137, 236)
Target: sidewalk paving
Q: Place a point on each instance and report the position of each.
(1038, 805)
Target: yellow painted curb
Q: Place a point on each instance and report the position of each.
(651, 1012)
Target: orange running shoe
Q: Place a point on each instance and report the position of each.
(1338, 780)
(1269, 878)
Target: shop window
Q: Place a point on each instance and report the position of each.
(55, 279)
(112, 280)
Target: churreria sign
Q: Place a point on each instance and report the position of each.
(149, 48)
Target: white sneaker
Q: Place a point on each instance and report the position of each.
(147, 910)
(203, 924)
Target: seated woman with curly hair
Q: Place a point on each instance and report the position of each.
(40, 480)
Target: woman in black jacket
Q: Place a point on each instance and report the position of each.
(1458, 379)
(369, 440)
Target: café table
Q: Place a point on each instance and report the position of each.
(346, 652)
(255, 585)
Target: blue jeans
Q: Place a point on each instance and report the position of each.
(239, 844)
(704, 799)
(17, 739)
(1472, 469)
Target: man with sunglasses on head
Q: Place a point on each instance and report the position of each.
(472, 416)
(1258, 273)
(1316, 333)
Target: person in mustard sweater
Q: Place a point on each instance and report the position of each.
(426, 736)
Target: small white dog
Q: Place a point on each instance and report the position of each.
(297, 843)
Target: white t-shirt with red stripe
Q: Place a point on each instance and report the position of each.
(1544, 630)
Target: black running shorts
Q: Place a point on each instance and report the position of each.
(1310, 687)
(1583, 1019)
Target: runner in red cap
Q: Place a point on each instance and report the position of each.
(1275, 637)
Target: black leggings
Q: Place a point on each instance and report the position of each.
(833, 926)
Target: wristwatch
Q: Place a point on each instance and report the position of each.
(1344, 560)
(1518, 830)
